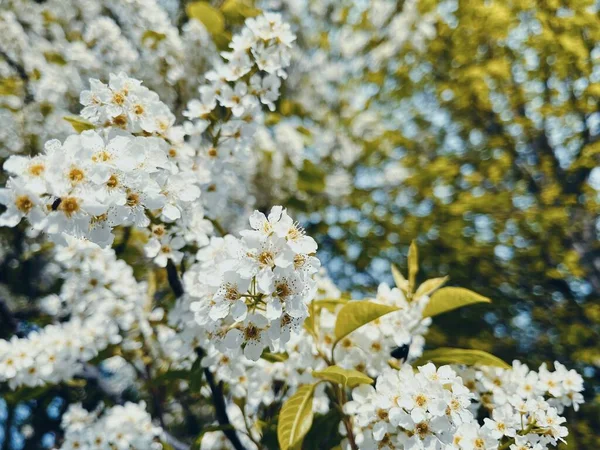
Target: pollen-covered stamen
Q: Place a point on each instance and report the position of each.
(36, 170)
(101, 156)
(295, 232)
(421, 400)
(266, 259)
(24, 203)
(76, 175)
(99, 219)
(133, 199)
(113, 182)
(158, 230)
(230, 292)
(382, 414)
(118, 98)
(251, 333)
(120, 121)
(282, 289)
(69, 206)
(422, 429)
(299, 260)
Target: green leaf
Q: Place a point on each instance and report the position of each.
(296, 417)
(239, 8)
(401, 282)
(274, 357)
(413, 265)
(79, 124)
(469, 357)
(427, 287)
(10, 86)
(55, 58)
(210, 16)
(345, 377)
(354, 315)
(449, 298)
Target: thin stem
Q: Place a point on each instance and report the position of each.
(219, 227)
(347, 420)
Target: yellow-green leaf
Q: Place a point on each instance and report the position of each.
(469, 357)
(401, 282)
(152, 38)
(449, 298)
(241, 8)
(79, 124)
(210, 16)
(296, 417)
(274, 357)
(10, 86)
(354, 315)
(345, 377)
(413, 265)
(429, 286)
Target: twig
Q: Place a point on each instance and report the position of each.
(174, 280)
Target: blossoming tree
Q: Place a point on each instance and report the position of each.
(185, 314)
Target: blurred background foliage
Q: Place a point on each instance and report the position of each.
(481, 143)
(495, 144)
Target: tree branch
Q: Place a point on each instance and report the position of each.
(221, 410)
(174, 280)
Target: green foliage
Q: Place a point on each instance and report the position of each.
(346, 377)
(445, 355)
(296, 418)
(354, 315)
(449, 298)
(79, 124)
(210, 16)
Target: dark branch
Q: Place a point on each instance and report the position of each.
(92, 373)
(221, 410)
(174, 280)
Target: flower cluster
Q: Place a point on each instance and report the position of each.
(410, 410)
(104, 302)
(127, 427)
(402, 329)
(125, 103)
(252, 291)
(562, 387)
(264, 44)
(93, 182)
(95, 283)
(224, 120)
(56, 352)
(62, 43)
(438, 408)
